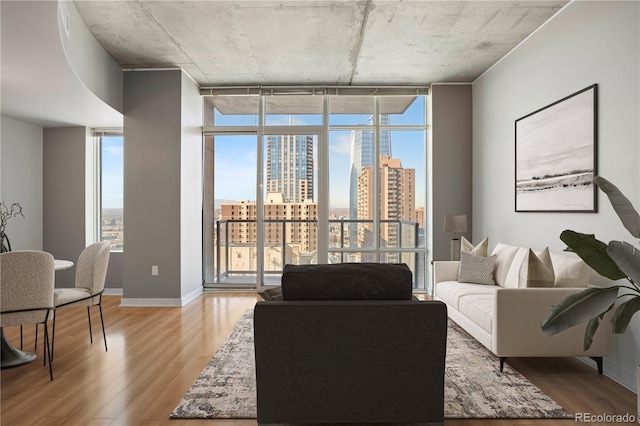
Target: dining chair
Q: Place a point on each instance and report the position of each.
(27, 281)
(91, 272)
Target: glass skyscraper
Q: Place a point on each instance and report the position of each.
(290, 167)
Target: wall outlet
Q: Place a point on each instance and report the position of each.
(154, 270)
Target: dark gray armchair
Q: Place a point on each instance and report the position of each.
(349, 361)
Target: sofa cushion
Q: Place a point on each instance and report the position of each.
(570, 271)
(512, 279)
(450, 292)
(347, 281)
(476, 269)
(504, 257)
(479, 309)
(480, 250)
(537, 271)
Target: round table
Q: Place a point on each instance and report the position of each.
(10, 355)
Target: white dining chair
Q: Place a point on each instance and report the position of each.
(91, 273)
(26, 292)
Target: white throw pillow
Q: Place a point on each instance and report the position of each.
(504, 257)
(480, 250)
(537, 271)
(570, 271)
(476, 269)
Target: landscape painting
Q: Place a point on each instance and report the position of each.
(556, 156)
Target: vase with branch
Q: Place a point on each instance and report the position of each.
(6, 213)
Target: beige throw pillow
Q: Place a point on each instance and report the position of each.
(537, 271)
(480, 250)
(476, 269)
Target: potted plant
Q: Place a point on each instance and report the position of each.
(616, 261)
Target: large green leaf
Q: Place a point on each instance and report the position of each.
(590, 331)
(593, 252)
(578, 308)
(623, 314)
(623, 207)
(627, 257)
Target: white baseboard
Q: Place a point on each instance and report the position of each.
(161, 302)
(112, 292)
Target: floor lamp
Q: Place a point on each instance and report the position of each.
(456, 224)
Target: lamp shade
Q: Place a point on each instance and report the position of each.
(455, 223)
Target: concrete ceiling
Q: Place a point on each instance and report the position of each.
(327, 42)
(262, 42)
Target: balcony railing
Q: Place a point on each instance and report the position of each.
(295, 241)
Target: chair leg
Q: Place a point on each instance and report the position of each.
(53, 335)
(104, 334)
(47, 350)
(89, 316)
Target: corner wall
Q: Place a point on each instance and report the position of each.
(64, 200)
(21, 181)
(586, 43)
(162, 189)
(451, 149)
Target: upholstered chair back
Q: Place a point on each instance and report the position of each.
(91, 269)
(26, 284)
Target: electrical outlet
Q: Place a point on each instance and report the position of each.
(154, 270)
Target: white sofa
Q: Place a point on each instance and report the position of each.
(506, 317)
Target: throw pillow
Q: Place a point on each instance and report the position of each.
(505, 254)
(476, 269)
(537, 271)
(271, 294)
(570, 270)
(479, 250)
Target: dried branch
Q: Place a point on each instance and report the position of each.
(7, 213)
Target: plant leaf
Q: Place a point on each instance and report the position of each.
(578, 308)
(621, 204)
(624, 313)
(627, 257)
(590, 331)
(593, 252)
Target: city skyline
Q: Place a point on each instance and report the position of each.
(236, 162)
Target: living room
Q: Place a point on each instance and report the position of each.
(585, 43)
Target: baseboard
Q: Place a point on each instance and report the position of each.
(112, 292)
(161, 302)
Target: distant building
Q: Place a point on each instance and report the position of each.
(292, 223)
(397, 203)
(290, 167)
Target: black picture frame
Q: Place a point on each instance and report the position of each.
(556, 156)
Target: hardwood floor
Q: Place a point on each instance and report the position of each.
(155, 354)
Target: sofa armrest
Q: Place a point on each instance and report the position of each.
(516, 330)
(445, 270)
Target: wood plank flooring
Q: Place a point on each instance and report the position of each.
(155, 354)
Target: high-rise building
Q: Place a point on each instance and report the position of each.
(362, 154)
(290, 167)
(288, 226)
(397, 202)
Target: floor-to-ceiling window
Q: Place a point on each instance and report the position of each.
(110, 179)
(313, 176)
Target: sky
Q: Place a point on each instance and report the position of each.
(236, 157)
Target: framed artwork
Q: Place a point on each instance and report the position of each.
(556, 156)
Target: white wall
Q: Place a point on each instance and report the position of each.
(21, 181)
(586, 43)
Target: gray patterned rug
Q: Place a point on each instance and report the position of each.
(474, 386)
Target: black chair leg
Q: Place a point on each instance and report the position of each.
(89, 316)
(502, 360)
(598, 360)
(104, 334)
(53, 335)
(47, 350)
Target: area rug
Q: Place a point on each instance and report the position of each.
(474, 386)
